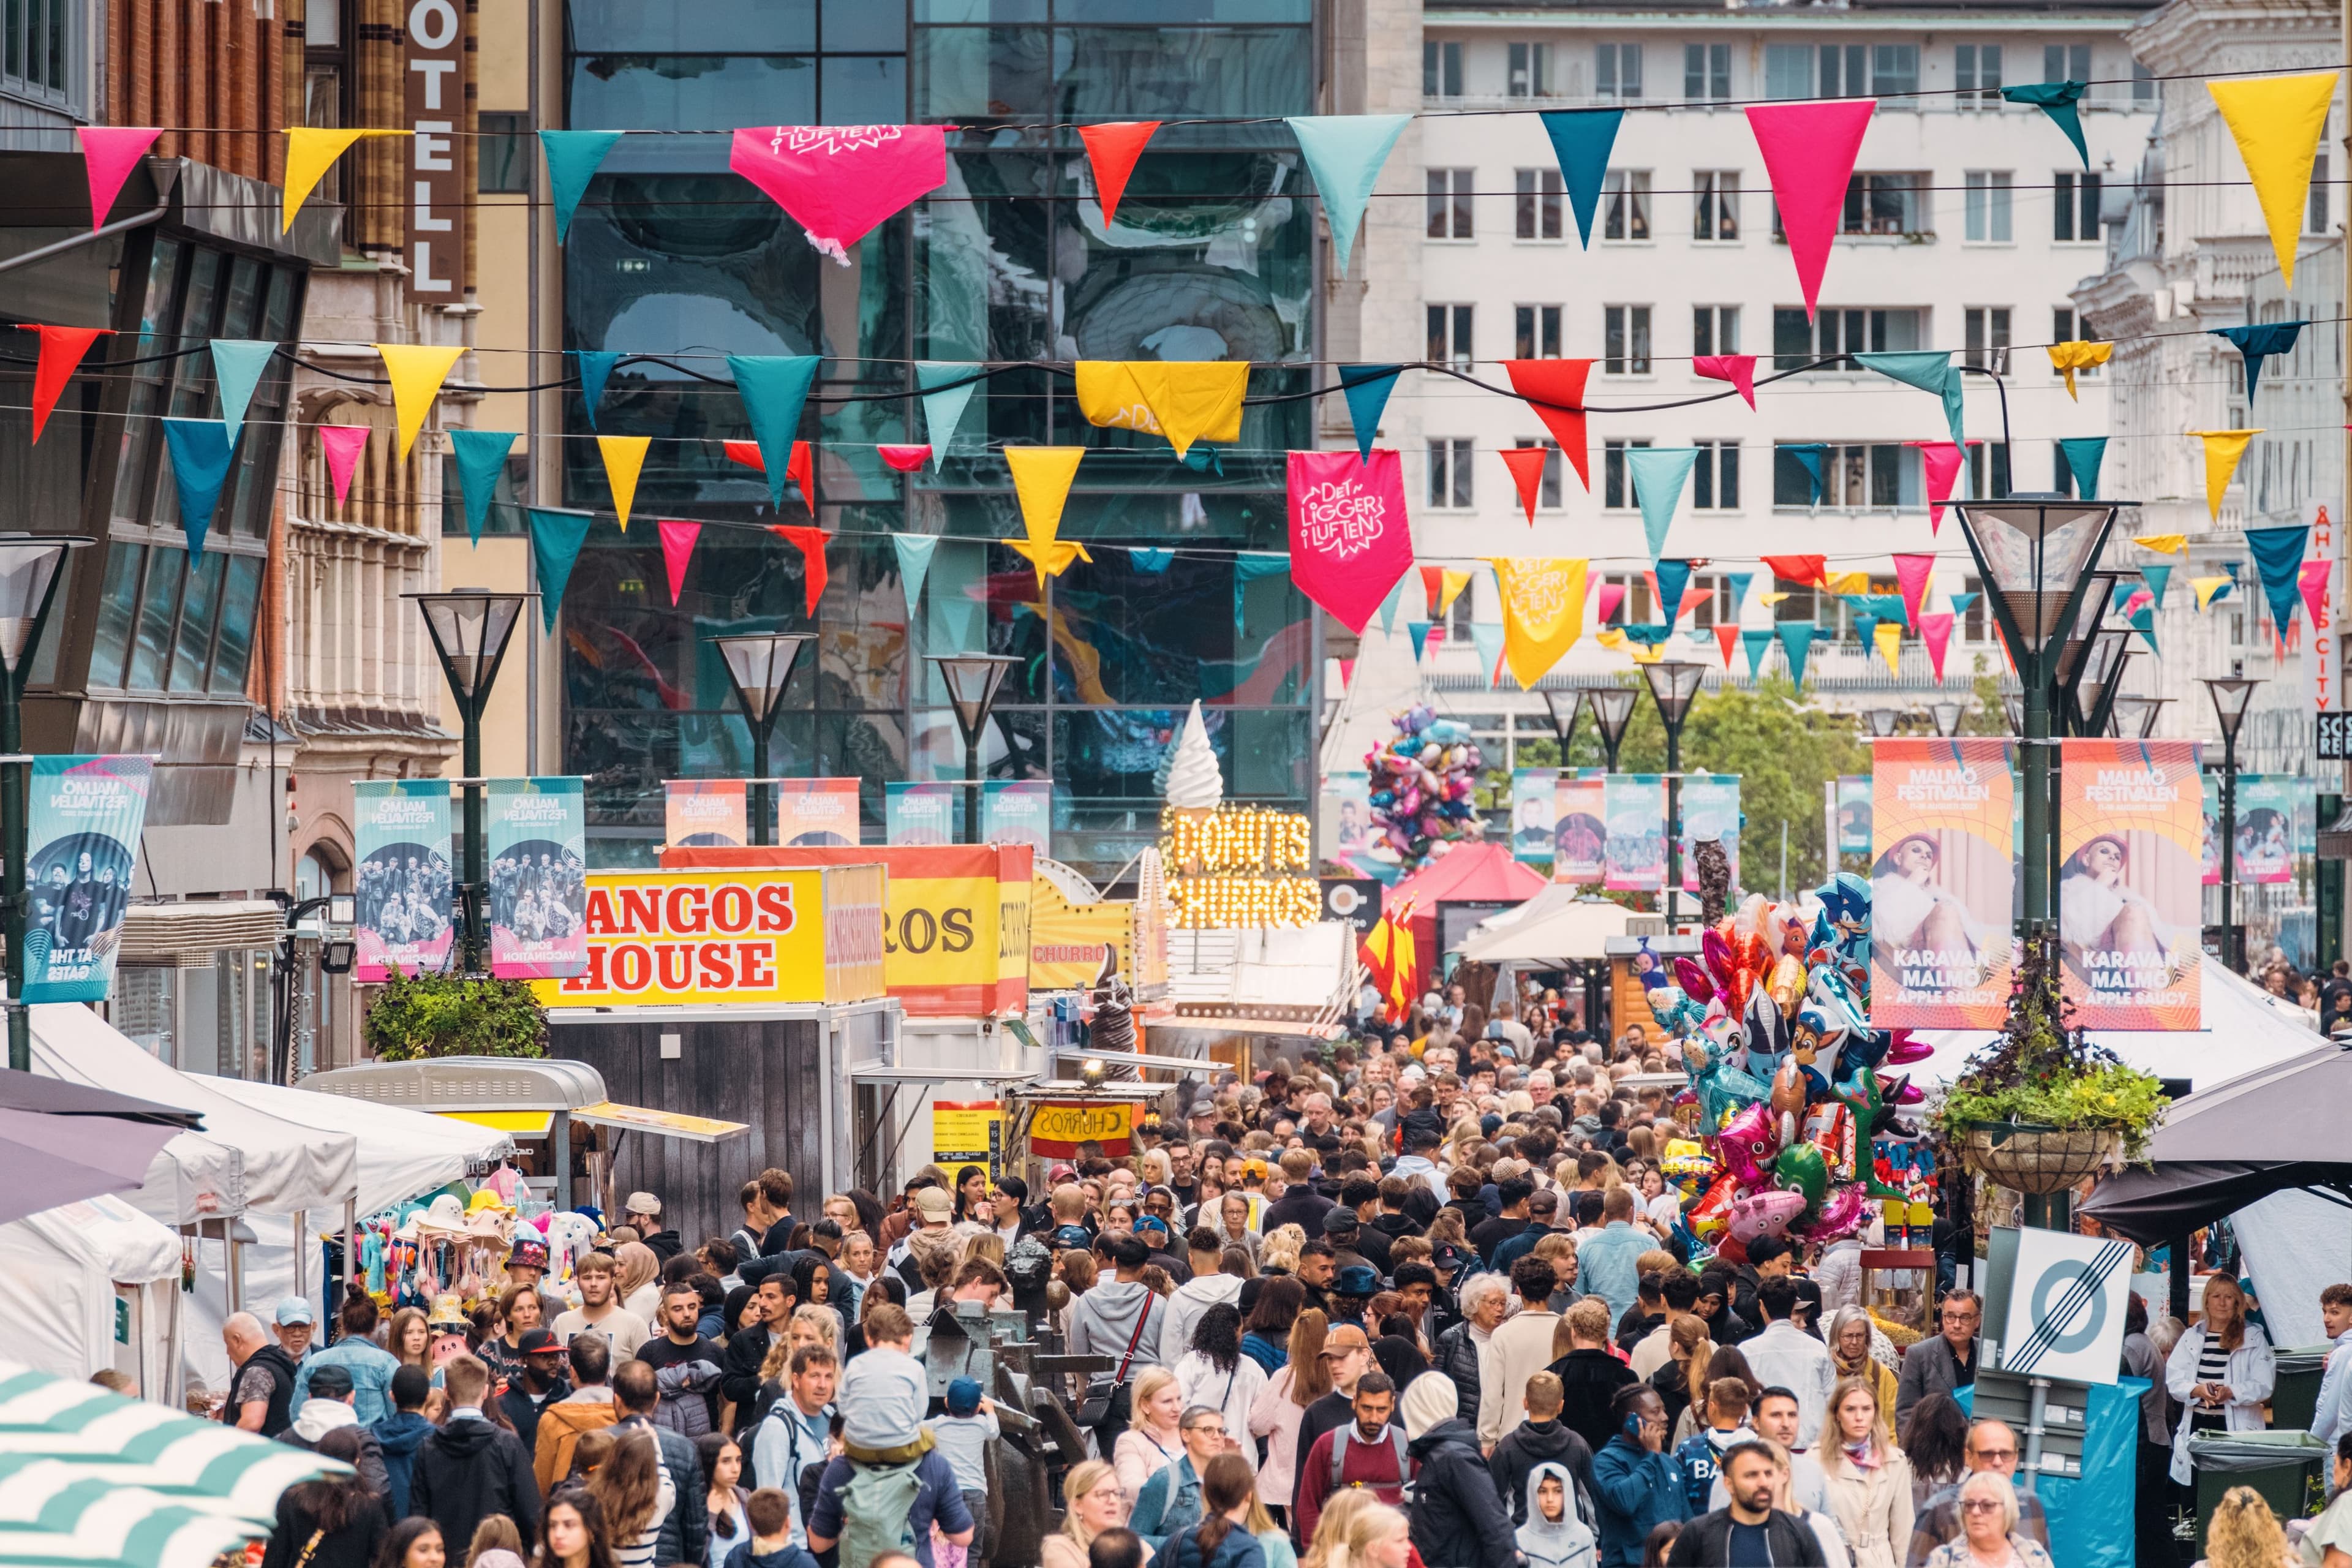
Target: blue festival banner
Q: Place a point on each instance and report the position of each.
(1710, 810)
(402, 883)
(1018, 811)
(920, 812)
(538, 838)
(81, 845)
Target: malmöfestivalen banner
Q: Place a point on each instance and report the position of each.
(1580, 827)
(1853, 814)
(1634, 807)
(2130, 834)
(1018, 811)
(919, 812)
(816, 811)
(1943, 884)
(81, 844)
(705, 814)
(401, 886)
(537, 831)
(1535, 798)
(1710, 810)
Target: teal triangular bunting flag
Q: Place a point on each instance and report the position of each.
(1418, 630)
(2083, 455)
(1810, 453)
(1755, 643)
(1960, 602)
(1865, 625)
(555, 541)
(1389, 607)
(773, 387)
(1488, 638)
(1649, 634)
(1249, 565)
(914, 563)
(1344, 153)
(1673, 576)
(201, 450)
(571, 160)
(1150, 560)
(1581, 141)
(2156, 577)
(2278, 557)
(2264, 340)
(2144, 623)
(1367, 389)
(1659, 474)
(1738, 581)
(237, 364)
(1796, 641)
(595, 370)
(1929, 370)
(481, 455)
(944, 402)
(2057, 100)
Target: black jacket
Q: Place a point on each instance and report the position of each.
(280, 1365)
(1533, 1443)
(685, 1532)
(1457, 1358)
(469, 1470)
(1458, 1519)
(353, 1546)
(522, 1411)
(1705, 1541)
(664, 1243)
(1589, 1382)
(738, 1373)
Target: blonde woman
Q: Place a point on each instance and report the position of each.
(2220, 1371)
(1868, 1478)
(1849, 1334)
(1279, 1252)
(2244, 1533)
(1281, 1405)
(1153, 1443)
(1369, 1535)
(1094, 1505)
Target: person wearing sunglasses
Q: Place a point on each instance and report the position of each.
(1992, 1450)
(1989, 1536)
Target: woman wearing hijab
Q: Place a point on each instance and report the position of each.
(1400, 1358)
(1553, 1536)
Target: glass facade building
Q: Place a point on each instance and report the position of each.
(1009, 263)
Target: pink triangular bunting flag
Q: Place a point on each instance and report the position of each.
(1347, 673)
(1911, 575)
(1612, 595)
(678, 551)
(1809, 152)
(109, 152)
(343, 444)
(1935, 631)
(1737, 368)
(1941, 462)
(906, 459)
(2312, 578)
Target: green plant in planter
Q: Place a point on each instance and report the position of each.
(430, 1014)
(2038, 1072)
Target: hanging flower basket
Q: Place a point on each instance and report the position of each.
(2028, 1158)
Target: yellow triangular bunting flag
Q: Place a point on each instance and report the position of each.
(1768, 600)
(1849, 582)
(1543, 614)
(1889, 637)
(1041, 479)
(2222, 450)
(417, 370)
(1610, 637)
(2278, 121)
(1643, 655)
(625, 459)
(1184, 401)
(310, 152)
(1451, 583)
(2068, 358)
(1049, 559)
(2207, 587)
(2162, 543)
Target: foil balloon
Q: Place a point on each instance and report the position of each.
(1800, 1169)
(1714, 952)
(1768, 1213)
(1732, 1251)
(1905, 1092)
(1844, 1213)
(1712, 1213)
(1692, 978)
(1666, 1005)
(1788, 1101)
(1838, 999)
(1748, 1143)
(1786, 985)
(1767, 1034)
(1902, 1049)
(1687, 1165)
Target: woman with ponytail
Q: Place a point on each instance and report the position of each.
(1228, 1488)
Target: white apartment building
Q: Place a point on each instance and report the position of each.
(1969, 224)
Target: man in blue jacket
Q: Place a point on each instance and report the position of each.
(1636, 1485)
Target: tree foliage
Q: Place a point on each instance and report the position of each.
(429, 1014)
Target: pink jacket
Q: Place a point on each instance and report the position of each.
(1274, 1417)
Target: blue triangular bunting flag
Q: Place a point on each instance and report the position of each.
(201, 450)
(555, 541)
(1673, 576)
(1738, 581)
(1796, 641)
(1344, 153)
(480, 455)
(2278, 557)
(1367, 389)
(2083, 455)
(2057, 100)
(1488, 636)
(2157, 578)
(1581, 141)
(1755, 643)
(1389, 606)
(944, 401)
(596, 369)
(1659, 475)
(1418, 630)
(571, 160)
(2259, 342)
(1929, 370)
(773, 388)
(237, 364)
(1150, 560)
(914, 563)
(1810, 453)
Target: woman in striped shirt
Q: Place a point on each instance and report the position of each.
(637, 1494)
(2222, 1370)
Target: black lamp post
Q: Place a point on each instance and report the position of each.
(470, 628)
(1673, 685)
(30, 570)
(2230, 693)
(2035, 555)
(760, 666)
(973, 680)
(1880, 722)
(1566, 707)
(1947, 715)
(2100, 680)
(2012, 707)
(2135, 718)
(1612, 710)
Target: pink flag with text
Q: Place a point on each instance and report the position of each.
(1349, 540)
(839, 182)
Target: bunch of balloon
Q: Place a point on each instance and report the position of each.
(1425, 780)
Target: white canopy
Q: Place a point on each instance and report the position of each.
(287, 1167)
(1553, 925)
(2246, 1028)
(402, 1154)
(58, 1270)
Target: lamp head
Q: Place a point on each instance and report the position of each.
(1612, 710)
(973, 680)
(470, 628)
(2035, 551)
(1947, 715)
(2231, 695)
(1092, 1072)
(759, 666)
(1880, 722)
(1673, 683)
(1566, 705)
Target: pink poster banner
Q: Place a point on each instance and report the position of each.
(1349, 540)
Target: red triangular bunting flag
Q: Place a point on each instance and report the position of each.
(1527, 466)
(906, 459)
(802, 472)
(1432, 582)
(61, 351)
(1554, 388)
(1805, 569)
(1347, 673)
(812, 547)
(1113, 149)
(746, 453)
(1726, 638)
(678, 551)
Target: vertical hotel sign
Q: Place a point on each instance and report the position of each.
(436, 108)
(1943, 884)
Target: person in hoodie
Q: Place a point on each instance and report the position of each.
(1636, 1485)
(1215, 1277)
(1543, 1440)
(770, 1515)
(539, 1384)
(1457, 1517)
(587, 1408)
(328, 1521)
(1554, 1536)
(329, 1407)
(398, 1435)
(1104, 1320)
(473, 1467)
(370, 1367)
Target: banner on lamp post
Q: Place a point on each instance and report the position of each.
(1634, 807)
(1853, 814)
(1580, 827)
(401, 886)
(1943, 883)
(1018, 811)
(1534, 801)
(919, 812)
(2130, 833)
(704, 813)
(537, 836)
(81, 845)
(2266, 828)
(1710, 810)
(816, 811)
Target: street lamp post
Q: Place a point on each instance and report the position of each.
(1612, 710)
(1566, 707)
(470, 628)
(2136, 718)
(973, 680)
(2035, 555)
(759, 666)
(1948, 715)
(1881, 721)
(1673, 684)
(29, 572)
(2231, 694)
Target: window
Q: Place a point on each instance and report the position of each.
(1893, 69)
(1714, 478)
(1441, 69)
(1976, 67)
(1449, 474)
(326, 80)
(1706, 71)
(1842, 72)
(1449, 203)
(1988, 207)
(1616, 484)
(1715, 204)
(2065, 62)
(503, 156)
(1984, 454)
(1887, 204)
(1463, 613)
(1617, 70)
(1625, 340)
(1715, 329)
(2143, 84)
(1449, 335)
(1796, 342)
(2075, 206)
(1787, 70)
(1976, 620)
(2314, 216)
(1627, 213)
(1548, 492)
(1878, 477)
(1988, 335)
(1539, 212)
(1534, 331)
(1530, 71)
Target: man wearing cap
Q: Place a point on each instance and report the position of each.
(369, 1367)
(1346, 1235)
(328, 1407)
(642, 1213)
(934, 1210)
(527, 1264)
(541, 1382)
(1154, 1232)
(294, 1326)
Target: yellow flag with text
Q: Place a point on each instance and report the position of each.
(1543, 611)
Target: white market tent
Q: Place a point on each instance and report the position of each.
(1552, 926)
(402, 1154)
(61, 1272)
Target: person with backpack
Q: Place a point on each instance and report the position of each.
(1365, 1453)
(1458, 1519)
